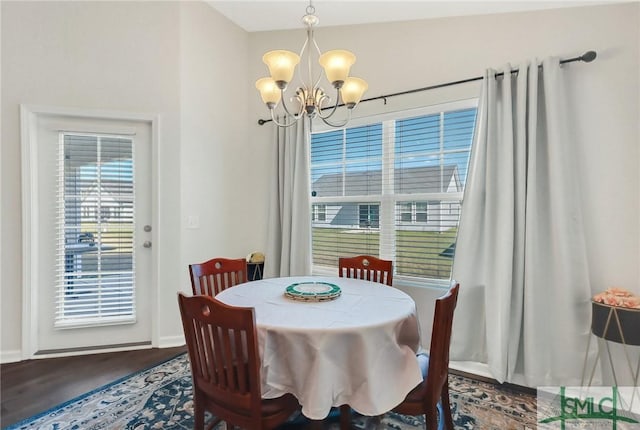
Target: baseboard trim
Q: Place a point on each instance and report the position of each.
(14, 356)
(171, 341)
(88, 351)
(480, 372)
(471, 367)
(93, 349)
(10, 356)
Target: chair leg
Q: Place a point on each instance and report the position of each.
(315, 424)
(446, 407)
(376, 422)
(213, 423)
(345, 417)
(198, 413)
(432, 418)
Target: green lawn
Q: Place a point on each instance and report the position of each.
(417, 252)
(118, 235)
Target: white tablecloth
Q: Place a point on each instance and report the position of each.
(358, 349)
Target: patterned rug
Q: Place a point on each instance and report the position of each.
(161, 398)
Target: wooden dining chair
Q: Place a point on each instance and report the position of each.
(369, 268)
(217, 274)
(222, 344)
(366, 267)
(434, 389)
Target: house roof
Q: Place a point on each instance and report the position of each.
(110, 188)
(408, 180)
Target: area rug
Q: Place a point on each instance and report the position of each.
(161, 398)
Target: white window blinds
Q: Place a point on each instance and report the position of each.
(95, 253)
(393, 188)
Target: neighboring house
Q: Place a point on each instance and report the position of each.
(102, 205)
(111, 207)
(411, 213)
(89, 204)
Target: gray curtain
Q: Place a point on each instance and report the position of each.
(289, 223)
(524, 303)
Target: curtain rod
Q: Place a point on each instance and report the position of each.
(587, 57)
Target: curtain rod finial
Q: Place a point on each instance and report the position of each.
(588, 56)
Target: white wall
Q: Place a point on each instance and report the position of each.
(213, 147)
(604, 95)
(216, 155)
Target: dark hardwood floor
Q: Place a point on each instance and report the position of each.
(33, 386)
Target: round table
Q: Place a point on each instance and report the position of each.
(358, 349)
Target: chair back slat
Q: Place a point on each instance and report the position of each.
(366, 267)
(241, 376)
(217, 274)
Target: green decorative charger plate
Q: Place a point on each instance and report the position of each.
(312, 291)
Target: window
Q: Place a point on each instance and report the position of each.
(422, 214)
(406, 212)
(392, 186)
(319, 213)
(369, 216)
(413, 212)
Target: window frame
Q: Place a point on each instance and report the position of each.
(388, 198)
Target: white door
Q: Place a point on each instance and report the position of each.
(93, 260)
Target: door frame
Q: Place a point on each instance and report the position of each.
(29, 115)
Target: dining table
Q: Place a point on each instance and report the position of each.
(333, 341)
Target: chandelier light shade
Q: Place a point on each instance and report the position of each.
(269, 92)
(336, 66)
(310, 99)
(281, 66)
(352, 91)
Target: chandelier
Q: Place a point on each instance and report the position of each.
(310, 99)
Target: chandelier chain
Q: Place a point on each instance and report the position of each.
(311, 10)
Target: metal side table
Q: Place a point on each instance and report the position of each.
(614, 324)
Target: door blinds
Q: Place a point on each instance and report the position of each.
(95, 235)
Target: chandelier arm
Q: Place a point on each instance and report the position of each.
(304, 45)
(341, 124)
(285, 125)
(313, 39)
(299, 68)
(309, 67)
(315, 44)
(333, 110)
(286, 109)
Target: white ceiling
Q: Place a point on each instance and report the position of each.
(264, 15)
